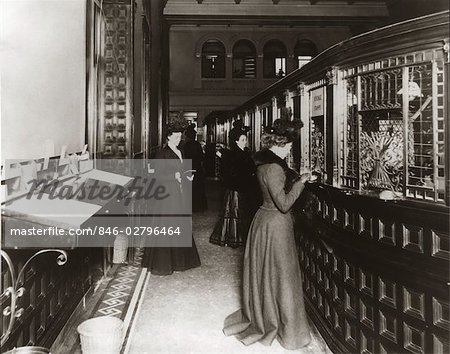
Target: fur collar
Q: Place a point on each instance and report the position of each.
(266, 156)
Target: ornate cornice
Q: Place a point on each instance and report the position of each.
(301, 89)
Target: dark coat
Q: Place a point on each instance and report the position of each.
(238, 170)
(242, 198)
(192, 150)
(170, 165)
(166, 260)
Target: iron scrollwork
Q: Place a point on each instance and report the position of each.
(16, 290)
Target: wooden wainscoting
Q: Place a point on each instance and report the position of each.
(376, 273)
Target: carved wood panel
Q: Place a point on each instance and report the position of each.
(51, 293)
(115, 94)
(375, 274)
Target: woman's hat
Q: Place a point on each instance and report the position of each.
(176, 124)
(238, 130)
(285, 128)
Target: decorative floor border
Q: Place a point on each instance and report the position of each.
(121, 295)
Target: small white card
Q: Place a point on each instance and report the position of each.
(45, 164)
(63, 151)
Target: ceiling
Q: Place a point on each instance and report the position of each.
(274, 12)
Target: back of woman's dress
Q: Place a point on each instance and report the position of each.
(272, 299)
(166, 260)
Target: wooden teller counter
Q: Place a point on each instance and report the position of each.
(373, 234)
(45, 274)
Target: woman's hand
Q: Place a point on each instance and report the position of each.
(178, 176)
(305, 177)
(190, 177)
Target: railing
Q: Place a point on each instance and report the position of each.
(16, 290)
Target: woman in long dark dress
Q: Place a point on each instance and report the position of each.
(192, 150)
(238, 172)
(166, 260)
(272, 299)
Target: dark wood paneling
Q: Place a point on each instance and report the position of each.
(51, 293)
(375, 273)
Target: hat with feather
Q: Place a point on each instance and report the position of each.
(285, 128)
(176, 124)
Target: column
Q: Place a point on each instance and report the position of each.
(290, 102)
(229, 70)
(259, 70)
(257, 137)
(275, 114)
(116, 74)
(306, 130)
(290, 62)
(331, 128)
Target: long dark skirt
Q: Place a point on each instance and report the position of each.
(166, 260)
(232, 227)
(272, 299)
(199, 202)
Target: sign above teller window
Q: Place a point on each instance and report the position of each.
(317, 102)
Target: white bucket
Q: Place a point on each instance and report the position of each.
(120, 249)
(101, 335)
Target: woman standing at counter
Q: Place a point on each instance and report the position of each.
(272, 301)
(166, 260)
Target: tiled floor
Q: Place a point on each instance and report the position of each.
(115, 295)
(180, 313)
(184, 312)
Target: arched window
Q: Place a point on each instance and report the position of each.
(274, 59)
(304, 51)
(213, 59)
(244, 59)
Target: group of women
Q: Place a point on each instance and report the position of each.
(260, 192)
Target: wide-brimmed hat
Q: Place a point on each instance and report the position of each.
(238, 130)
(176, 124)
(285, 128)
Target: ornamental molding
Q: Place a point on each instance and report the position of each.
(331, 75)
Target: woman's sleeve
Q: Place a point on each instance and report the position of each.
(201, 153)
(163, 171)
(275, 179)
